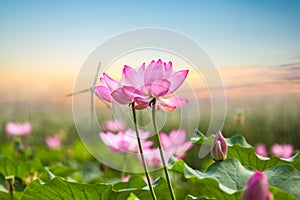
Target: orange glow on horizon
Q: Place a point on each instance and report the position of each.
(52, 86)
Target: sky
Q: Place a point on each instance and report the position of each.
(45, 43)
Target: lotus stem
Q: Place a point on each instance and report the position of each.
(142, 153)
(153, 104)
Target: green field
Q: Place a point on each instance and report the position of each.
(264, 119)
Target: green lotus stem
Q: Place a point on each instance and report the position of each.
(153, 103)
(142, 153)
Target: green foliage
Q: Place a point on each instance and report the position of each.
(248, 157)
(233, 174)
(59, 189)
(226, 179)
(78, 176)
(239, 148)
(190, 197)
(200, 138)
(62, 170)
(5, 196)
(21, 169)
(48, 156)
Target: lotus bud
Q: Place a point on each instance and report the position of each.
(219, 147)
(257, 188)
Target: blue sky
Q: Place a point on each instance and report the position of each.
(233, 32)
(43, 44)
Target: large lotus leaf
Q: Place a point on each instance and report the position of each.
(59, 189)
(226, 179)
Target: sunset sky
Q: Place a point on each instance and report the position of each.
(44, 43)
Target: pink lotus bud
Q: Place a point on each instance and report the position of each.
(18, 129)
(257, 188)
(219, 147)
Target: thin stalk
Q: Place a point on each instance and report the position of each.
(142, 153)
(161, 150)
(10, 184)
(11, 191)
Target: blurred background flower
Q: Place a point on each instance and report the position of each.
(176, 142)
(125, 141)
(153, 158)
(282, 150)
(18, 129)
(261, 150)
(53, 142)
(112, 126)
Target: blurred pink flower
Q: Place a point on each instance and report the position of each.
(176, 142)
(53, 142)
(125, 141)
(18, 129)
(153, 158)
(219, 147)
(113, 126)
(257, 188)
(282, 151)
(126, 179)
(157, 80)
(261, 150)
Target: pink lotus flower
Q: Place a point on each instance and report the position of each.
(175, 142)
(261, 150)
(125, 141)
(113, 126)
(219, 147)
(282, 151)
(53, 142)
(18, 129)
(153, 158)
(141, 86)
(257, 188)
